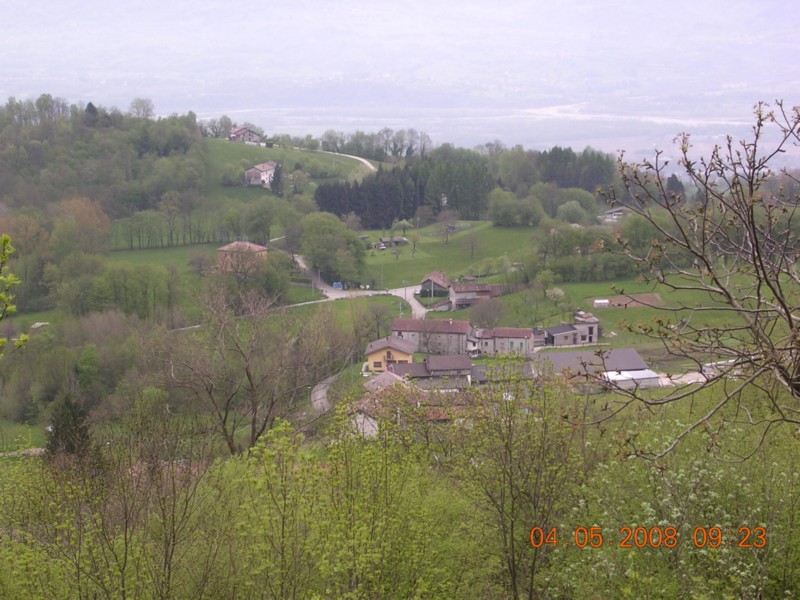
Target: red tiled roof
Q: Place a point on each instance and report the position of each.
(438, 278)
(267, 166)
(240, 246)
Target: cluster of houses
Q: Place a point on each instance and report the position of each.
(459, 337)
(439, 387)
(450, 346)
(392, 359)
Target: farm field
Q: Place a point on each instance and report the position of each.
(474, 243)
(177, 255)
(17, 436)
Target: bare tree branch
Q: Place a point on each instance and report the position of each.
(734, 247)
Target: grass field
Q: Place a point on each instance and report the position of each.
(178, 256)
(224, 153)
(16, 436)
(475, 242)
(350, 310)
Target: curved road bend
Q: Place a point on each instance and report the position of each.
(406, 293)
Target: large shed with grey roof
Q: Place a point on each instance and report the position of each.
(622, 367)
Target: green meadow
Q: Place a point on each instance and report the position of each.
(321, 166)
(476, 242)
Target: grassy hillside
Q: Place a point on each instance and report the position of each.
(475, 242)
(322, 167)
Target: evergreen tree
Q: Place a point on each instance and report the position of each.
(276, 185)
(68, 432)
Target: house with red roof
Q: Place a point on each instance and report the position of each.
(244, 134)
(261, 174)
(240, 258)
(434, 283)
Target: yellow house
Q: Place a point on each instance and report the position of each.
(388, 351)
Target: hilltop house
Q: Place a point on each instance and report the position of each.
(261, 174)
(244, 134)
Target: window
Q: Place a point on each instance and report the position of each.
(377, 364)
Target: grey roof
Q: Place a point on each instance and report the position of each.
(455, 362)
(592, 361)
(434, 366)
(385, 379)
(483, 373)
(393, 342)
(559, 329)
(410, 370)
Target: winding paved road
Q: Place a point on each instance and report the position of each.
(319, 394)
(406, 293)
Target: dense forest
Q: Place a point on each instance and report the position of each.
(460, 180)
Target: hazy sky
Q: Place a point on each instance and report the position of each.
(614, 74)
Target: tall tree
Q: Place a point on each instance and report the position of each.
(519, 463)
(248, 368)
(69, 430)
(330, 247)
(142, 108)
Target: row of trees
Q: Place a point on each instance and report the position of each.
(384, 145)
